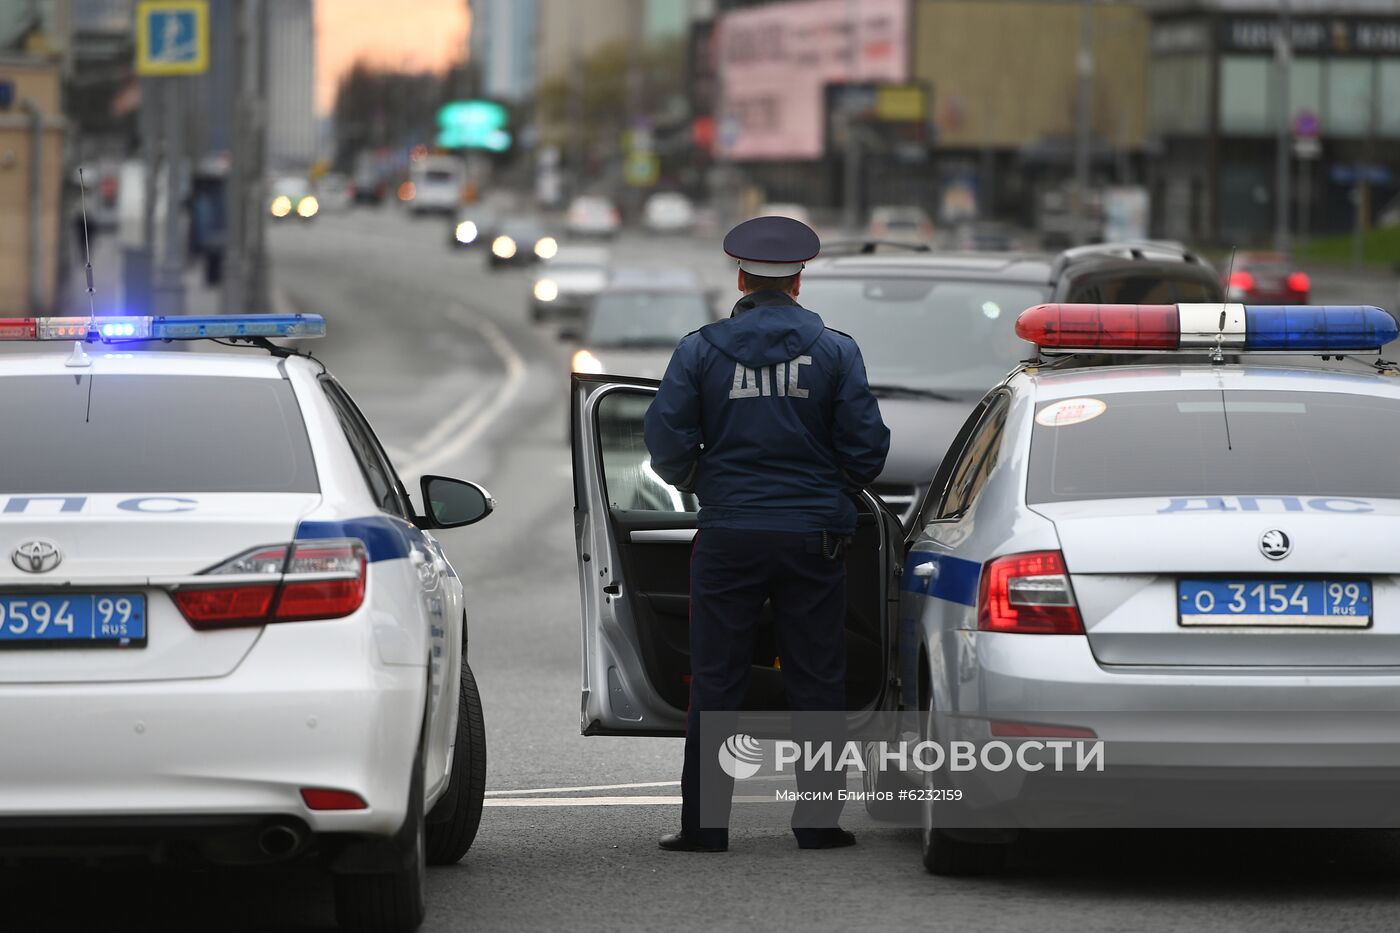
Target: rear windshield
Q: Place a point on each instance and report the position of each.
(1209, 443)
(1160, 287)
(156, 434)
(645, 319)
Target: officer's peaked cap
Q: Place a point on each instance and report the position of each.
(772, 246)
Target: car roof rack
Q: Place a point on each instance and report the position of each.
(1139, 250)
(869, 247)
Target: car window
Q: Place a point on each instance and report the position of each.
(976, 463)
(1213, 443)
(631, 482)
(641, 318)
(934, 334)
(1158, 288)
(933, 496)
(164, 434)
(384, 484)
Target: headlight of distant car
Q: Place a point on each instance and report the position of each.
(281, 206)
(308, 206)
(503, 246)
(545, 248)
(585, 362)
(466, 232)
(546, 290)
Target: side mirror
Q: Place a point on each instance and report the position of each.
(452, 503)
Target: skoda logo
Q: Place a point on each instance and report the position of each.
(1275, 544)
(37, 556)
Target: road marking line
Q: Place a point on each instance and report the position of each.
(640, 800)
(447, 426)
(470, 431)
(570, 790)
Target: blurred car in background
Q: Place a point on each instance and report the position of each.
(937, 330)
(592, 215)
(521, 241)
(983, 236)
(786, 209)
(370, 179)
(668, 212)
(565, 287)
(1266, 278)
(635, 324)
(901, 222)
(292, 197)
(435, 184)
(473, 225)
(334, 192)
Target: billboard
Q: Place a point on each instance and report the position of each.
(775, 61)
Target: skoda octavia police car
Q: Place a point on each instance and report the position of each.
(1183, 538)
(225, 632)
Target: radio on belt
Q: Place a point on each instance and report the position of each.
(116, 329)
(1207, 327)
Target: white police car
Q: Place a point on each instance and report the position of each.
(1193, 534)
(225, 633)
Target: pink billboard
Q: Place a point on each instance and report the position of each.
(775, 60)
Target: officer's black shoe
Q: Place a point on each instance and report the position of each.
(832, 838)
(680, 842)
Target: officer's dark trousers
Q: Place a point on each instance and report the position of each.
(731, 574)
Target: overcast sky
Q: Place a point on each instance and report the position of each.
(416, 34)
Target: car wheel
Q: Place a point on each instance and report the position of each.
(944, 854)
(391, 901)
(452, 824)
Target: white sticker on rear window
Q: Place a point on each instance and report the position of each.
(1070, 411)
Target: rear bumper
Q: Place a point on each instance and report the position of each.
(311, 706)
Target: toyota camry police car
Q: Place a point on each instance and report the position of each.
(1178, 510)
(225, 632)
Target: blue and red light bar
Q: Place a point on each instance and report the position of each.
(1207, 327)
(115, 329)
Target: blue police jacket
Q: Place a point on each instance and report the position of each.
(768, 418)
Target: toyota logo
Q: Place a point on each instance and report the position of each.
(37, 556)
(1274, 544)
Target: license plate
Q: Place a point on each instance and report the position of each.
(1328, 603)
(116, 620)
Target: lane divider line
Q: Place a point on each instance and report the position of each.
(482, 418)
(570, 790)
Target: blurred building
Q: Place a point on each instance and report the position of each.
(1216, 107)
(503, 47)
(291, 106)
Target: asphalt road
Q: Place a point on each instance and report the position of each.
(439, 354)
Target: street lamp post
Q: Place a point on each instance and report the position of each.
(1283, 57)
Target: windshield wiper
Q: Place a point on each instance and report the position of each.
(898, 391)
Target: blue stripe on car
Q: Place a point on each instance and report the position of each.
(385, 537)
(956, 581)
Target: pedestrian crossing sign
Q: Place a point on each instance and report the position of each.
(172, 37)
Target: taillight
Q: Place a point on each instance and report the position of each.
(1028, 593)
(304, 581)
(1299, 282)
(325, 798)
(1242, 280)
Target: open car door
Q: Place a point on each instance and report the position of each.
(633, 533)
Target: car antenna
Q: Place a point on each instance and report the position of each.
(1219, 357)
(80, 357)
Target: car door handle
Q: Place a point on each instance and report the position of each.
(927, 570)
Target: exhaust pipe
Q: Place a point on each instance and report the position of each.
(279, 840)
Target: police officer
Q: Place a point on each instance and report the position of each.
(767, 417)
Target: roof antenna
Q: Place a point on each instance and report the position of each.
(79, 356)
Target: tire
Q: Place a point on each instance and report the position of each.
(453, 822)
(392, 901)
(944, 854)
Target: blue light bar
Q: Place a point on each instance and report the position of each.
(1317, 327)
(182, 327)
